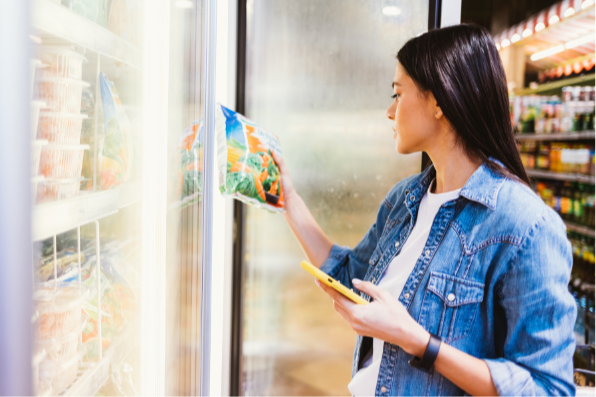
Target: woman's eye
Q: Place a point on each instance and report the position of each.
(395, 96)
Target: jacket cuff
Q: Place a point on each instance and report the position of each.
(337, 258)
(510, 379)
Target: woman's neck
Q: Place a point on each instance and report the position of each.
(453, 166)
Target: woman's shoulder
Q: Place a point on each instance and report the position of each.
(520, 207)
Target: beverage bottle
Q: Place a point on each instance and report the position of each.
(578, 203)
(565, 202)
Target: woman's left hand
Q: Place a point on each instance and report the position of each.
(384, 318)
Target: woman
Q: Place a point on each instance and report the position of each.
(466, 268)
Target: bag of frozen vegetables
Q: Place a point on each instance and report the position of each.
(247, 170)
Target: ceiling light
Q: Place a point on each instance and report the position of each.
(577, 42)
(184, 4)
(505, 43)
(391, 11)
(569, 12)
(527, 32)
(539, 26)
(546, 53)
(587, 4)
(515, 38)
(554, 19)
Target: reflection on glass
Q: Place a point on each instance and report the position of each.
(322, 83)
(185, 134)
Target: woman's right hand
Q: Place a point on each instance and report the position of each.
(286, 182)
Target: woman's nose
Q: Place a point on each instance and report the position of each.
(390, 114)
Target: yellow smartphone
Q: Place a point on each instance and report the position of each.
(333, 283)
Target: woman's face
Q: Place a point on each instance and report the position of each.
(413, 112)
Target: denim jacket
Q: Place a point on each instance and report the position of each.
(491, 281)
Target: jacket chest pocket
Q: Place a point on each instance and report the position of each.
(450, 305)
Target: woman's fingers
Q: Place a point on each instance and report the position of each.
(368, 288)
(337, 297)
(286, 182)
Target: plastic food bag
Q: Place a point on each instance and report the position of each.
(190, 177)
(116, 153)
(247, 170)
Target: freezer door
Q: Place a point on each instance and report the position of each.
(318, 74)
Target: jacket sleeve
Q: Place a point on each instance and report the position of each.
(540, 315)
(344, 264)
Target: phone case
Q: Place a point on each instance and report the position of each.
(331, 282)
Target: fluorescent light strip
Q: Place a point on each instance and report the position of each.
(562, 47)
(582, 40)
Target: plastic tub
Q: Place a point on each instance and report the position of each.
(60, 310)
(36, 106)
(62, 161)
(61, 127)
(62, 94)
(61, 348)
(34, 187)
(59, 189)
(34, 64)
(61, 62)
(60, 375)
(36, 148)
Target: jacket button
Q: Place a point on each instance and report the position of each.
(371, 262)
(397, 244)
(451, 297)
(412, 198)
(407, 295)
(374, 279)
(427, 253)
(383, 389)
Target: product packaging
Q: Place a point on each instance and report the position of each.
(190, 169)
(116, 153)
(246, 167)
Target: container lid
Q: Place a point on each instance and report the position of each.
(39, 104)
(39, 142)
(62, 50)
(63, 114)
(49, 300)
(64, 80)
(61, 146)
(38, 178)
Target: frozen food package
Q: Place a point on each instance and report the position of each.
(116, 153)
(246, 167)
(190, 169)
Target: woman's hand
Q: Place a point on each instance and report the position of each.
(384, 318)
(286, 182)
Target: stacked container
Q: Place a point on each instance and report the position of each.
(36, 144)
(61, 87)
(58, 333)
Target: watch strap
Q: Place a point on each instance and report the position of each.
(430, 355)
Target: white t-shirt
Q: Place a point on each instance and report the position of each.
(394, 279)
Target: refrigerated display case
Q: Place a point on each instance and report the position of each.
(115, 191)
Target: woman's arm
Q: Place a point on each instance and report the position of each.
(387, 319)
(311, 237)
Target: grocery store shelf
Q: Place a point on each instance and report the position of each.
(59, 21)
(60, 216)
(580, 229)
(560, 176)
(555, 85)
(96, 376)
(571, 136)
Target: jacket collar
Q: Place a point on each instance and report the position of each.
(482, 187)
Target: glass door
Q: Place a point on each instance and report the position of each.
(116, 191)
(319, 75)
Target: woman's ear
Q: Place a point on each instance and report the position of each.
(436, 109)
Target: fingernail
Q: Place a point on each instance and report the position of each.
(356, 281)
(317, 283)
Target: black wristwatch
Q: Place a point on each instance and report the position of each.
(430, 355)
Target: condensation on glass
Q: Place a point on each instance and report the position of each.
(88, 139)
(319, 75)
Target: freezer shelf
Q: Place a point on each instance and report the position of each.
(57, 20)
(96, 376)
(60, 216)
(560, 176)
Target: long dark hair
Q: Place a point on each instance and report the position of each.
(461, 66)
